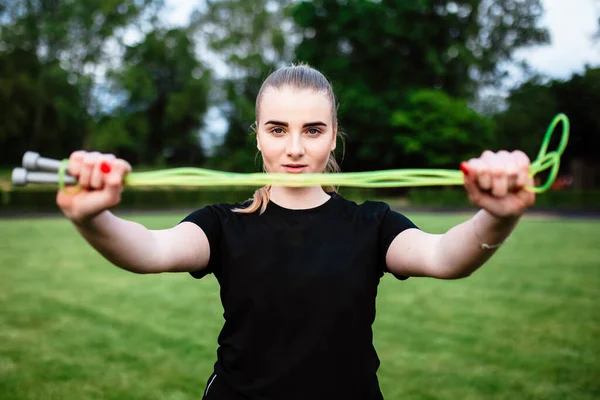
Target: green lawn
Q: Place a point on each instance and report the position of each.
(526, 326)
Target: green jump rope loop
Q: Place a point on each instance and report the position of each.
(550, 160)
(62, 170)
(373, 179)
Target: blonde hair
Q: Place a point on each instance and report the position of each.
(301, 77)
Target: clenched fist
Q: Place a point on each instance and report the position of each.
(100, 178)
(497, 182)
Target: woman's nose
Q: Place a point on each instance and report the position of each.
(295, 147)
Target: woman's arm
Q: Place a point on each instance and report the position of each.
(495, 182)
(126, 244)
(133, 247)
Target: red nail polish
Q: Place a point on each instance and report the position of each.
(104, 167)
(464, 168)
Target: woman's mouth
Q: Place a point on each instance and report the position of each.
(294, 168)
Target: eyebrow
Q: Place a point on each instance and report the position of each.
(308, 124)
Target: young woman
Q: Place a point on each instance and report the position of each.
(298, 267)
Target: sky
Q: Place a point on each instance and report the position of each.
(571, 23)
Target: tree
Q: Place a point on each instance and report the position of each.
(166, 91)
(532, 106)
(377, 52)
(252, 38)
(578, 97)
(32, 101)
(58, 46)
(439, 131)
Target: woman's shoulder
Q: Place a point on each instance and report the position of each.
(362, 203)
(229, 207)
(380, 212)
(218, 211)
(365, 207)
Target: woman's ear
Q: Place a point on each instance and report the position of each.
(257, 138)
(334, 142)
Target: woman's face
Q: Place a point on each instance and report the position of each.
(295, 131)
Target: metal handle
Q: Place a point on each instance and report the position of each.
(33, 161)
(21, 177)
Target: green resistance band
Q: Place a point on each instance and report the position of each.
(373, 179)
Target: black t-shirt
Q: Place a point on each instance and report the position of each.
(298, 290)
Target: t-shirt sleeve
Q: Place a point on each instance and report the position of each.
(392, 224)
(208, 220)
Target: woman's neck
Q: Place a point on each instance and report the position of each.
(298, 198)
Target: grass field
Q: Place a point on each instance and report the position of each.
(526, 326)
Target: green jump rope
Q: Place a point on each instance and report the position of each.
(374, 179)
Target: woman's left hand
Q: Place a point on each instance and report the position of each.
(496, 183)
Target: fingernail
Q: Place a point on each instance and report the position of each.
(104, 167)
(464, 168)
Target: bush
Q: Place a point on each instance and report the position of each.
(455, 197)
(30, 199)
(44, 199)
(576, 199)
(439, 197)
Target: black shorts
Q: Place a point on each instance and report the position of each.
(216, 389)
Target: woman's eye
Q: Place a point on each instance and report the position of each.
(314, 131)
(277, 131)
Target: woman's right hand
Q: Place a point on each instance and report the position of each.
(100, 178)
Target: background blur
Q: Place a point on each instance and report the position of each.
(424, 83)
(420, 84)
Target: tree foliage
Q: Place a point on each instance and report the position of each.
(49, 51)
(533, 105)
(377, 52)
(166, 90)
(39, 108)
(404, 72)
(439, 131)
(252, 38)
